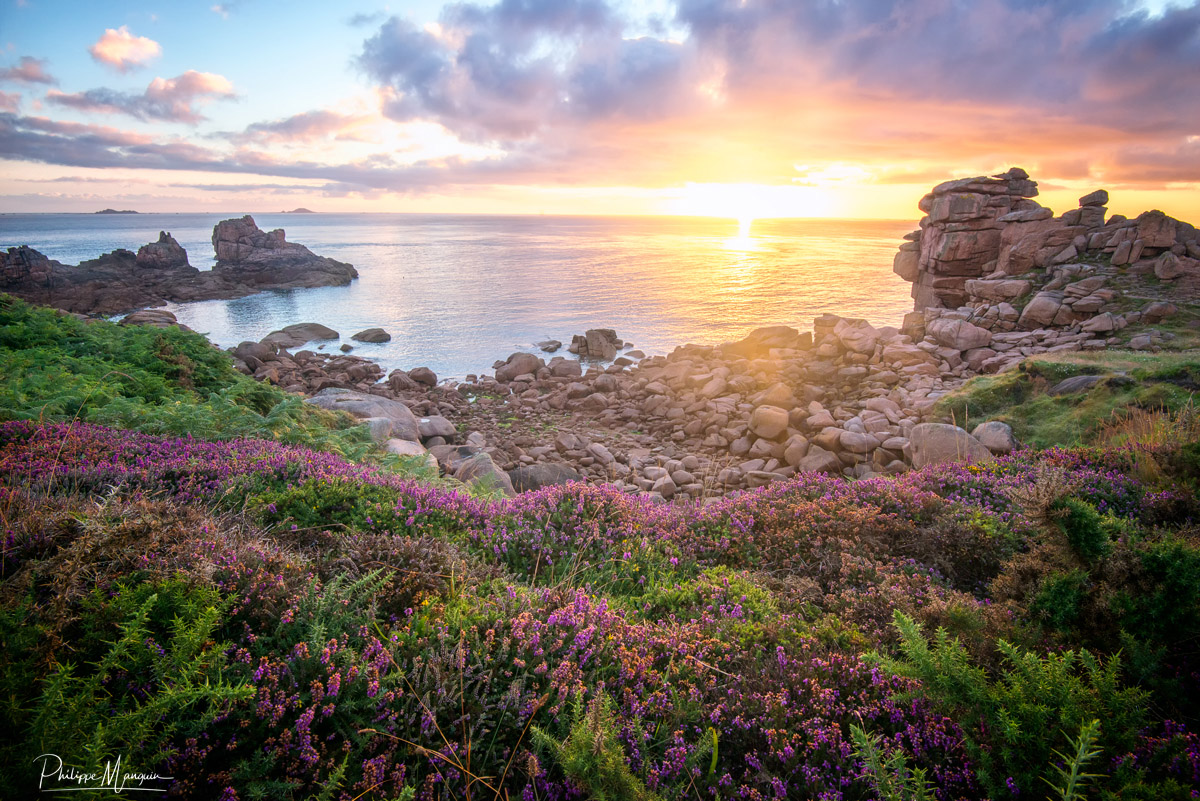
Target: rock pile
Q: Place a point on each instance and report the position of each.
(600, 344)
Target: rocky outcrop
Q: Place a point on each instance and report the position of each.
(159, 272)
(984, 240)
(600, 344)
(253, 257)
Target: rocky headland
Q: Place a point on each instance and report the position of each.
(996, 278)
(249, 260)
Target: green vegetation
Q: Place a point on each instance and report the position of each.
(263, 621)
(1134, 383)
(56, 368)
(1014, 719)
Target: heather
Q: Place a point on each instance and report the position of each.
(263, 620)
(57, 368)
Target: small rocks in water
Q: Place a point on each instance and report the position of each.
(373, 335)
(158, 318)
(291, 336)
(596, 343)
(550, 345)
(346, 347)
(518, 364)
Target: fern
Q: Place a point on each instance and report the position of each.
(132, 701)
(591, 756)
(1012, 720)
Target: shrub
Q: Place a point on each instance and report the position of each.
(160, 676)
(1016, 721)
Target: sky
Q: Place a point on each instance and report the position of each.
(730, 108)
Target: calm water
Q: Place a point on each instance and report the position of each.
(458, 292)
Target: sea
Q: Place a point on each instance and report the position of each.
(458, 292)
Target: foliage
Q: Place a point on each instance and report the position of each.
(591, 756)
(54, 367)
(402, 638)
(1069, 782)
(891, 778)
(1014, 721)
(160, 677)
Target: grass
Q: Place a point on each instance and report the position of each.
(1138, 383)
(56, 368)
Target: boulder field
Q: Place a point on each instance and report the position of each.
(996, 278)
(249, 260)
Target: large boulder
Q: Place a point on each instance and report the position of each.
(518, 364)
(545, 474)
(937, 443)
(480, 471)
(363, 406)
(1041, 310)
(375, 335)
(596, 343)
(958, 334)
(996, 436)
(293, 336)
(769, 422)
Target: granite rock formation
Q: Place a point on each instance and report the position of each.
(249, 261)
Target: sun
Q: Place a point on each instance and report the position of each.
(749, 202)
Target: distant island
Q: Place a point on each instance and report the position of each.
(300, 210)
(114, 211)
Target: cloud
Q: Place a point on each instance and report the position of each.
(226, 8)
(28, 70)
(10, 101)
(306, 127)
(766, 83)
(165, 99)
(511, 70)
(363, 20)
(123, 51)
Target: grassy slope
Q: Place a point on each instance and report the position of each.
(56, 368)
(1136, 383)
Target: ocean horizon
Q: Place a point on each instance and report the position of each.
(458, 292)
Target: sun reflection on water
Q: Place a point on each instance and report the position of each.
(743, 241)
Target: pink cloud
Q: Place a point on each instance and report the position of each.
(167, 99)
(28, 70)
(123, 51)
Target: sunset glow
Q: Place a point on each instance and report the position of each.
(727, 109)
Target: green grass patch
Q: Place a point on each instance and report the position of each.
(55, 367)
(1134, 382)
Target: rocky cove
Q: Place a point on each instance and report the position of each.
(996, 278)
